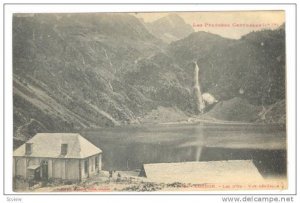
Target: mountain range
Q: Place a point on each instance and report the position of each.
(76, 71)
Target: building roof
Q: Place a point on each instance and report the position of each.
(49, 145)
(232, 171)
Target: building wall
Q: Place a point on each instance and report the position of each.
(91, 166)
(66, 169)
(100, 161)
(57, 168)
(83, 174)
(50, 168)
(72, 170)
(21, 164)
(19, 167)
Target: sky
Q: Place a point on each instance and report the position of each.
(230, 24)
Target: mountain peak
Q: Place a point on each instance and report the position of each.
(170, 28)
(172, 19)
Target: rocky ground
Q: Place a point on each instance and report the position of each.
(128, 181)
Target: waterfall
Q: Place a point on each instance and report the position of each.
(197, 90)
(198, 153)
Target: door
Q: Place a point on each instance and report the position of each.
(37, 174)
(44, 168)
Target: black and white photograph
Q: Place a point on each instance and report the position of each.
(175, 101)
(149, 102)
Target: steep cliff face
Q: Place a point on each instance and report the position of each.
(67, 70)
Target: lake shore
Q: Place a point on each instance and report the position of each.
(127, 183)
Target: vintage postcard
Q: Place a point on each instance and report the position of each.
(149, 101)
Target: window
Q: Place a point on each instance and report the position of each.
(28, 148)
(96, 162)
(64, 149)
(86, 163)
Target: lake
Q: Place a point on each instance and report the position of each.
(129, 147)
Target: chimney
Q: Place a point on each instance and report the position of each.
(28, 148)
(64, 149)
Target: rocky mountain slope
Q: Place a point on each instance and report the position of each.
(67, 69)
(74, 71)
(252, 68)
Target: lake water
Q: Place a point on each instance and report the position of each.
(129, 147)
